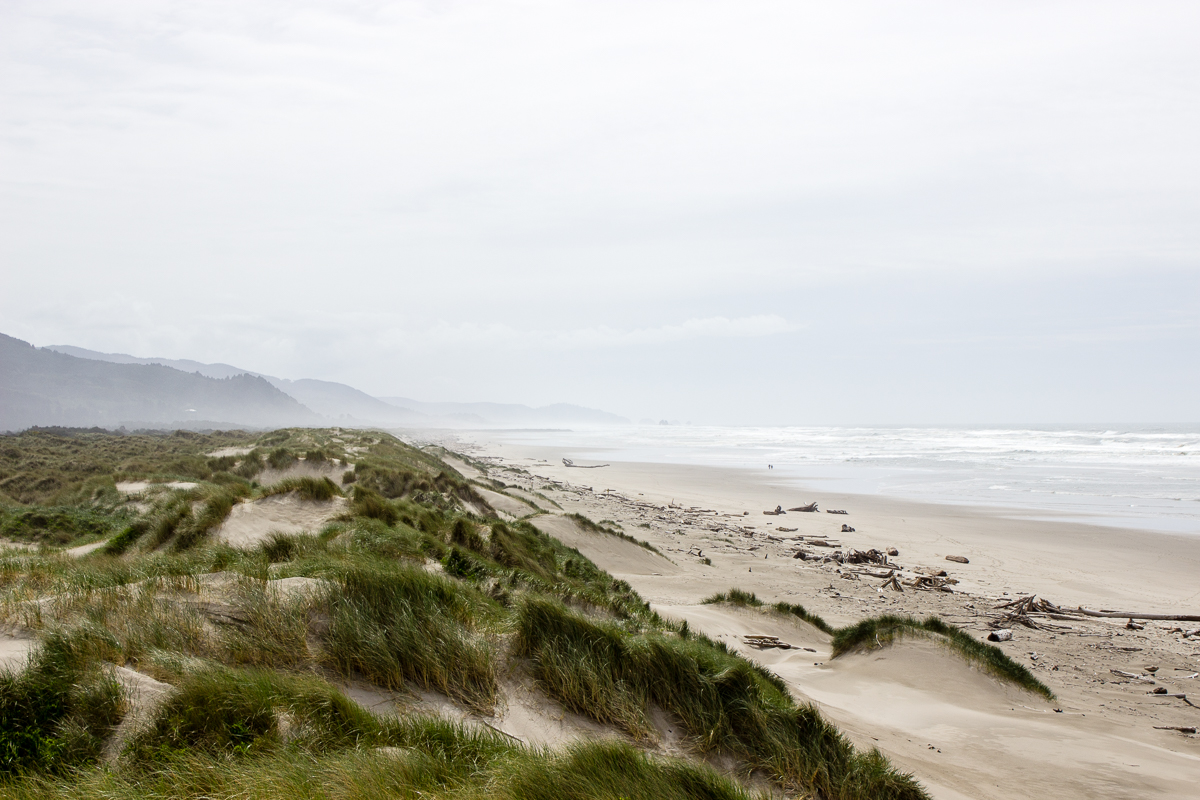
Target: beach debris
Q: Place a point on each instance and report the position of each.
(835, 511)
(1180, 728)
(786, 530)
(932, 582)
(891, 551)
(934, 571)
(1002, 635)
(820, 543)
(892, 584)
(1161, 691)
(958, 559)
(1134, 615)
(1133, 676)
(1020, 609)
(569, 463)
(1134, 626)
(810, 507)
(765, 642)
(871, 556)
(778, 510)
(847, 529)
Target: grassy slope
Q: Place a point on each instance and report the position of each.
(253, 714)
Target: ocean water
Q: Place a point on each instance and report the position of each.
(1140, 477)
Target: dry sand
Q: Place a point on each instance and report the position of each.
(962, 732)
(250, 523)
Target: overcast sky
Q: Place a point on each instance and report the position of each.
(728, 212)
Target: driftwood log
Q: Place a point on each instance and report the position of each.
(1136, 615)
(810, 507)
(958, 559)
(1002, 635)
(759, 641)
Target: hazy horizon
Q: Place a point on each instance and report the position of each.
(712, 212)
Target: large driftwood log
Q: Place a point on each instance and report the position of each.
(1136, 615)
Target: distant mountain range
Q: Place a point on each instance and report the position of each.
(73, 386)
(43, 387)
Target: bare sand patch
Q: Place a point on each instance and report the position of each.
(84, 549)
(248, 524)
(332, 469)
(145, 697)
(15, 646)
(229, 451)
(138, 487)
(612, 554)
(509, 505)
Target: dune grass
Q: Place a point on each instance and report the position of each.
(738, 597)
(219, 710)
(55, 713)
(394, 624)
(725, 703)
(878, 631)
(306, 488)
(415, 757)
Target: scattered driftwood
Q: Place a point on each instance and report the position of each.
(1134, 615)
(1161, 691)
(891, 584)
(810, 507)
(1181, 729)
(937, 573)
(1134, 626)
(569, 463)
(835, 511)
(1133, 676)
(871, 556)
(847, 529)
(871, 574)
(959, 559)
(820, 543)
(1185, 634)
(787, 530)
(932, 582)
(764, 642)
(778, 510)
(1020, 609)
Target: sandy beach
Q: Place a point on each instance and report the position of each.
(961, 732)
